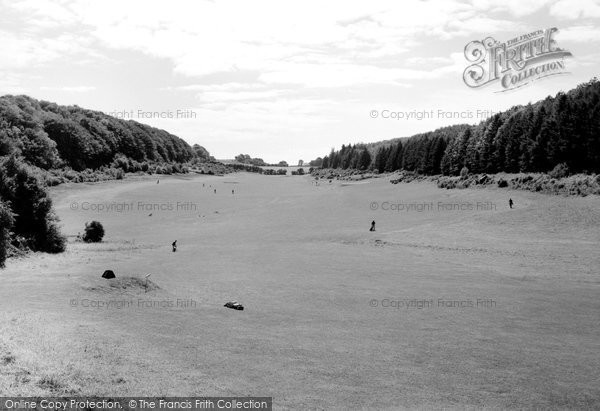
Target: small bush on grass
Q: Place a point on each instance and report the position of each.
(94, 232)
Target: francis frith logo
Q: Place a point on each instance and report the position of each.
(516, 62)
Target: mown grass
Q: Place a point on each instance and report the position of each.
(302, 261)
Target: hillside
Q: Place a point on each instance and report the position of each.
(51, 136)
(561, 130)
(43, 144)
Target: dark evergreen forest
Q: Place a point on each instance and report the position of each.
(561, 130)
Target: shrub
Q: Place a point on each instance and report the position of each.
(6, 224)
(52, 181)
(135, 166)
(121, 162)
(502, 183)
(560, 171)
(54, 241)
(94, 232)
(446, 182)
(23, 188)
(464, 172)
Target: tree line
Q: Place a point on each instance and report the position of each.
(561, 130)
(247, 159)
(51, 136)
(39, 139)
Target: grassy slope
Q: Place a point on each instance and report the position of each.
(301, 259)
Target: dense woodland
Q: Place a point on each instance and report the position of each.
(562, 130)
(40, 141)
(51, 136)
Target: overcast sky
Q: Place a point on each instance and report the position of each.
(281, 80)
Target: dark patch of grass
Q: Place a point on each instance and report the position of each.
(50, 383)
(8, 359)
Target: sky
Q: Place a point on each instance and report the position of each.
(282, 80)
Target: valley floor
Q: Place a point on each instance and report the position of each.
(455, 300)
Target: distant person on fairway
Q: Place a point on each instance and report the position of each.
(174, 245)
(232, 192)
(215, 191)
(157, 181)
(510, 203)
(372, 226)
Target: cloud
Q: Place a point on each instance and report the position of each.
(589, 60)
(21, 51)
(265, 69)
(427, 61)
(27, 50)
(69, 89)
(11, 83)
(578, 34)
(576, 9)
(517, 8)
(342, 75)
(226, 36)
